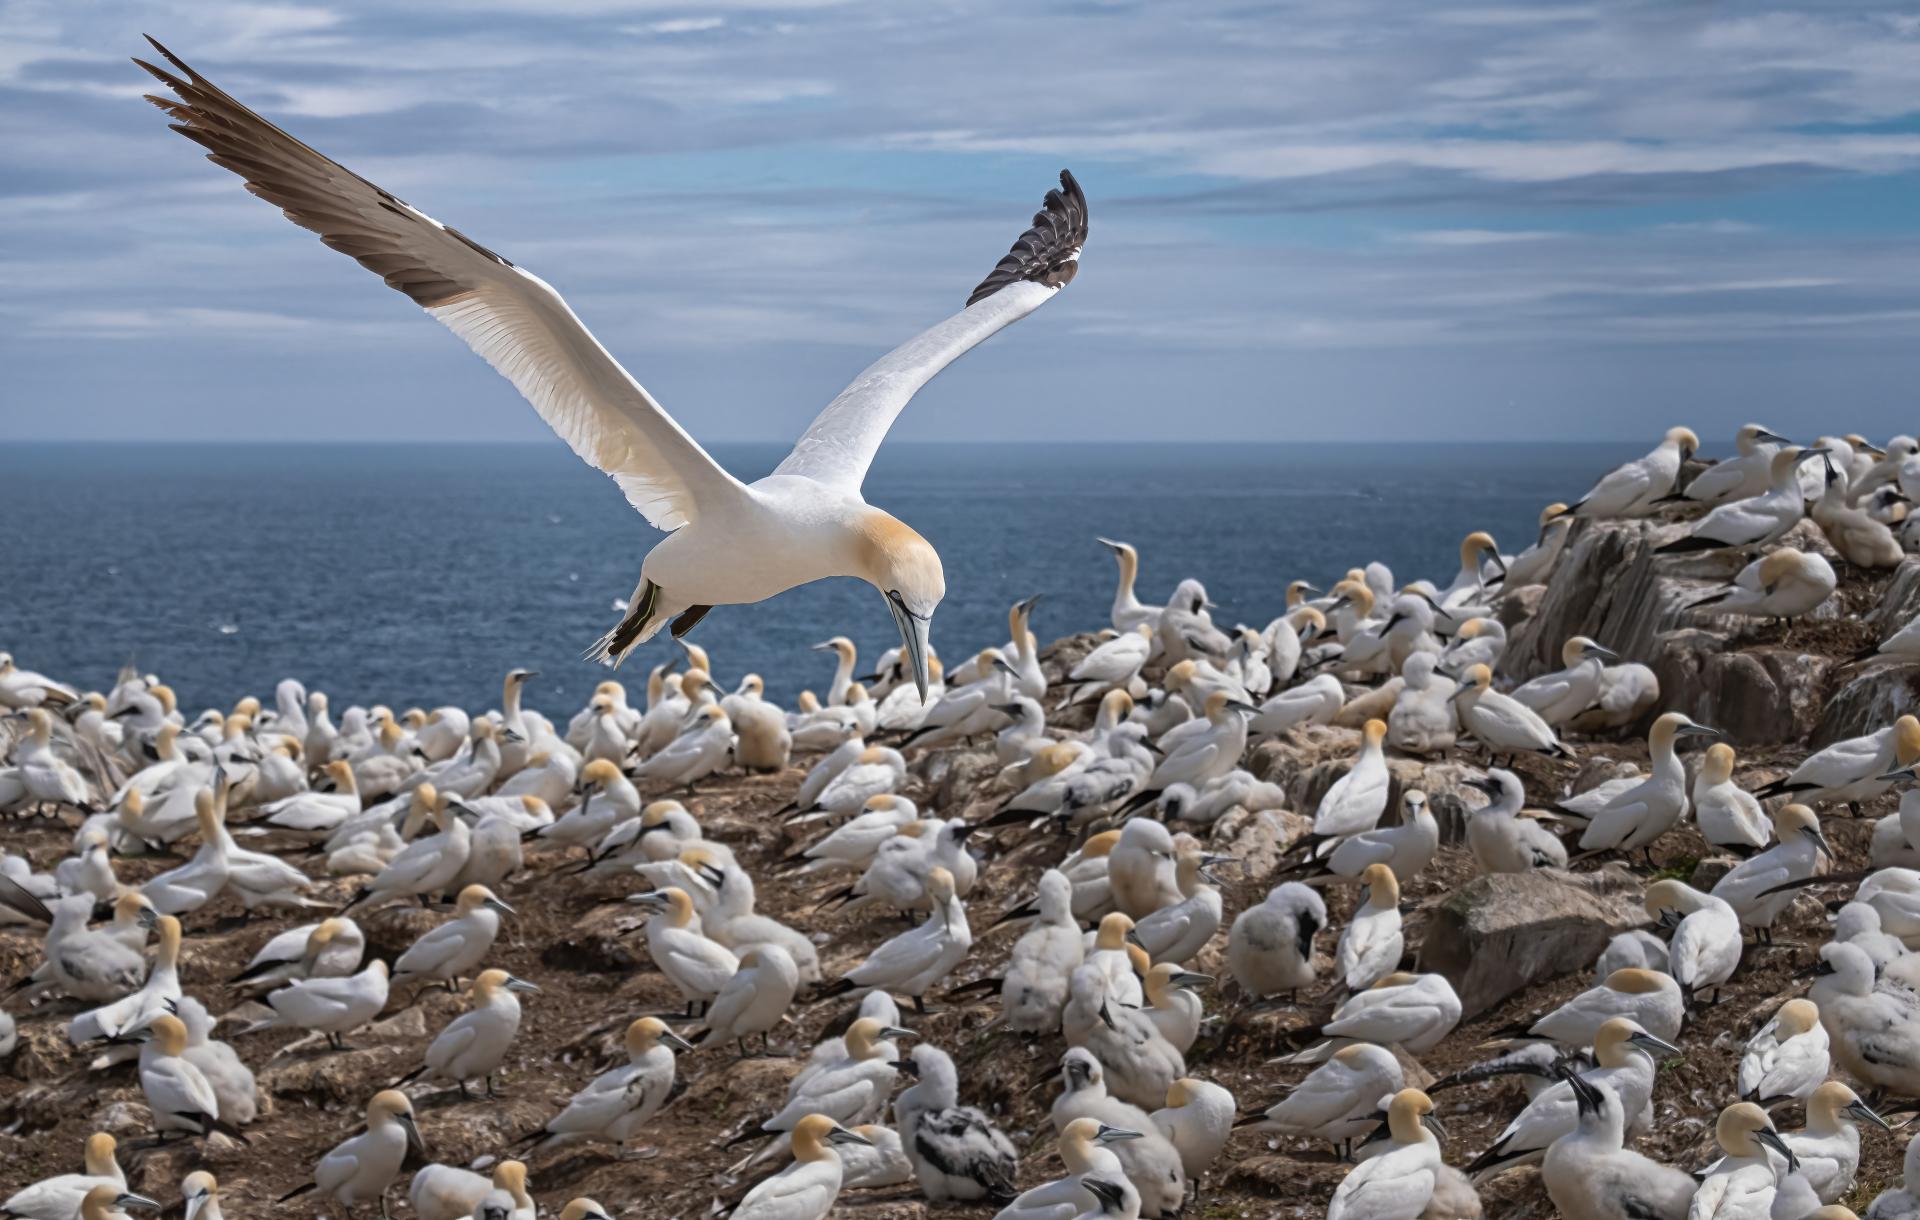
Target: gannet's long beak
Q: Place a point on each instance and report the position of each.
(913, 640)
(195, 1204)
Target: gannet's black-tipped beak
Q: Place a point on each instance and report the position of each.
(913, 639)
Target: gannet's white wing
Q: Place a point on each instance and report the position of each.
(512, 319)
(839, 445)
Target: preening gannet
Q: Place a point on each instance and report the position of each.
(730, 543)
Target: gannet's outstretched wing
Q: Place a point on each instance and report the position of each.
(840, 443)
(514, 320)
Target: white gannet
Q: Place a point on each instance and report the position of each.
(1140, 1063)
(698, 967)
(801, 523)
(318, 811)
(1828, 1147)
(59, 1197)
(1627, 1057)
(1197, 1120)
(1371, 944)
(1178, 932)
(1140, 869)
(1406, 848)
(447, 1192)
(1356, 800)
(1735, 478)
(103, 1202)
(475, 1043)
(615, 1105)
(425, 866)
(1648, 997)
(1632, 819)
(1422, 720)
(853, 844)
(762, 740)
(179, 1095)
(1399, 1183)
(1535, 564)
(1501, 838)
(93, 965)
(449, 953)
(1783, 584)
(162, 984)
(1852, 770)
(922, 957)
(1633, 488)
(1172, 1007)
(361, 1169)
(754, 1000)
(1316, 701)
(232, 1080)
(1740, 1186)
(1128, 612)
(1480, 641)
(1151, 1162)
(1560, 696)
(806, 1189)
(701, 749)
(1590, 1175)
(1501, 723)
(1034, 989)
(1861, 540)
(1797, 856)
(1787, 1059)
(1115, 664)
(331, 1006)
(874, 771)
(295, 954)
(1896, 837)
(1900, 1202)
(1339, 1101)
(47, 778)
(611, 802)
(1705, 948)
(847, 1078)
(22, 689)
(730, 919)
(955, 1150)
(1270, 946)
(1085, 1150)
(202, 878)
(1874, 1031)
(1756, 521)
(1415, 1010)
(1728, 815)
(1110, 950)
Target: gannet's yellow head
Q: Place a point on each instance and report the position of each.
(1631, 980)
(1374, 732)
(1179, 675)
(647, 1032)
(1100, 845)
(601, 772)
(1906, 740)
(99, 1155)
(103, 1201)
(583, 1208)
(1383, 888)
(1410, 1116)
(894, 559)
(1744, 1129)
(198, 1189)
(1718, 767)
(1114, 927)
(939, 885)
(1796, 1017)
(1683, 437)
(169, 1034)
(1551, 513)
(813, 1134)
(1478, 677)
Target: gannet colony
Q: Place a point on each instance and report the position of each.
(1583, 882)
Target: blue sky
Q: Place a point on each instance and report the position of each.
(1331, 219)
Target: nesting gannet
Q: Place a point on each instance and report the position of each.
(1339, 1101)
(1857, 923)
(1399, 1183)
(1797, 856)
(331, 1006)
(1197, 1120)
(697, 966)
(921, 958)
(425, 866)
(1501, 838)
(233, 1082)
(450, 952)
(1632, 819)
(1139, 1061)
(201, 879)
(317, 812)
(1741, 1185)
(874, 771)
(1860, 540)
(1706, 944)
(1356, 800)
(179, 1095)
(1756, 521)
(23, 689)
(806, 1189)
(754, 999)
(1735, 478)
(1728, 815)
(897, 876)
(614, 1106)
(94, 965)
(162, 984)
(59, 1197)
(1874, 1030)
(956, 1151)
(1560, 696)
(1406, 849)
(1151, 1162)
(1315, 701)
(853, 843)
(1590, 1175)
(1415, 1010)
(47, 778)
(1178, 932)
(1784, 584)
(1828, 1147)
(730, 918)
(361, 1169)
(1270, 946)
(1535, 564)
(1110, 949)
(1852, 770)
(1633, 488)
(295, 954)
(1648, 997)
(1501, 723)
(847, 1078)
(1627, 1057)
(1172, 1007)
(1085, 1150)
(1372, 943)
(1235, 790)
(1422, 720)
(447, 1192)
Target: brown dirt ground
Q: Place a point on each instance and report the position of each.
(595, 979)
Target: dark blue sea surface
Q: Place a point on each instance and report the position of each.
(417, 575)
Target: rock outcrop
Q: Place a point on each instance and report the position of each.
(1505, 932)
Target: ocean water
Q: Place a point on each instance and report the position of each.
(418, 575)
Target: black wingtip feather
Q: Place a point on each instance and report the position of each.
(1047, 253)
